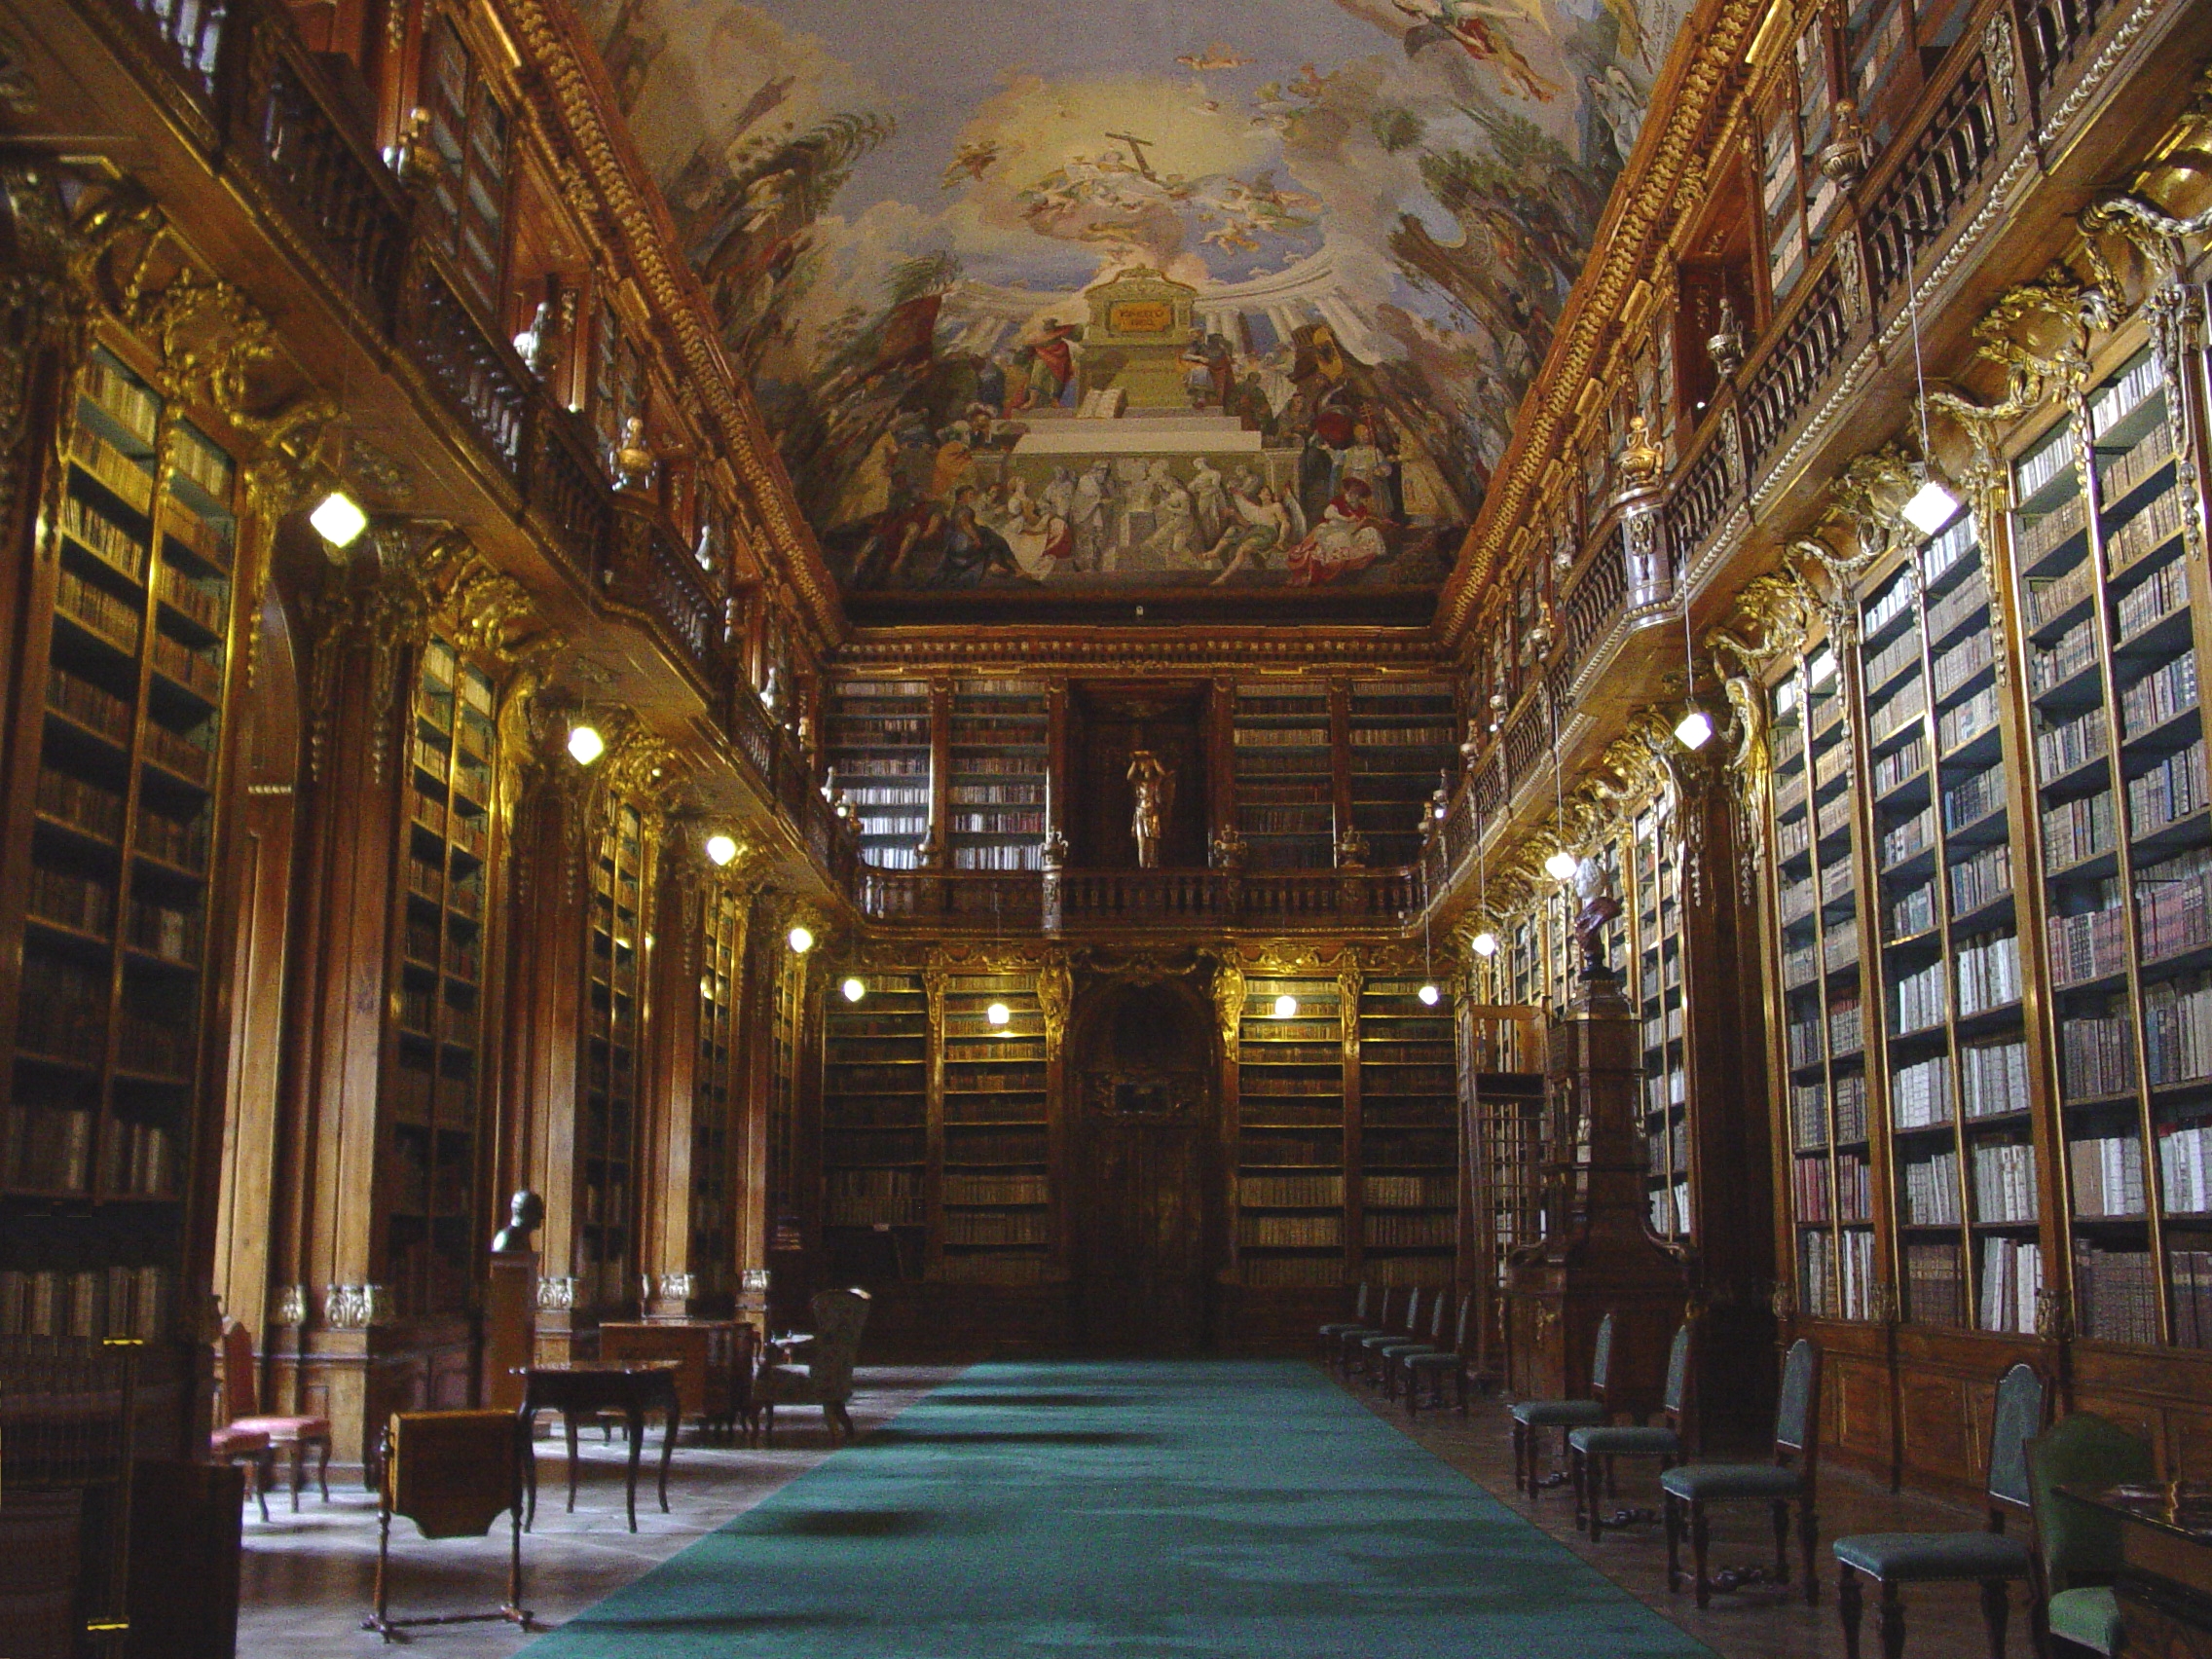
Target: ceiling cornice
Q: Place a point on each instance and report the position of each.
(556, 52)
(1669, 166)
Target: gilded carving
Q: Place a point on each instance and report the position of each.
(1055, 996)
(1997, 50)
(1228, 999)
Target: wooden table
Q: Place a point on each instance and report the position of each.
(2165, 1576)
(590, 1386)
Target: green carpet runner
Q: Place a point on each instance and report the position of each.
(1123, 1508)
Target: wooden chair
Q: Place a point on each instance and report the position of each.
(1332, 1334)
(1591, 1451)
(452, 1473)
(1436, 1364)
(233, 1445)
(1368, 1355)
(826, 1379)
(1988, 1557)
(240, 1399)
(1791, 1475)
(2077, 1545)
(1385, 1359)
(1529, 1415)
(1388, 1307)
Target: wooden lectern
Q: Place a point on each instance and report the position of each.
(1596, 1252)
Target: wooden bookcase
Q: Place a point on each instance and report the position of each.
(876, 1118)
(1403, 744)
(469, 131)
(1819, 946)
(1290, 1137)
(125, 685)
(1656, 982)
(612, 1066)
(879, 756)
(1958, 1163)
(994, 1189)
(997, 783)
(1286, 774)
(1408, 1117)
(428, 1157)
(2114, 630)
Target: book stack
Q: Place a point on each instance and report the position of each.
(2004, 1181)
(2116, 1299)
(2108, 1175)
(1994, 1078)
(2012, 1275)
(1932, 1189)
(2191, 1297)
(1934, 1284)
(2185, 1168)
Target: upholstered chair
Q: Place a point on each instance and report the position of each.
(298, 1434)
(1591, 1451)
(825, 1378)
(1438, 1363)
(1694, 1488)
(1530, 1415)
(1987, 1558)
(2079, 1545)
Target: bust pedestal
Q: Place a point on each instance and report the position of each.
(510, 1326)
(1598, 1254)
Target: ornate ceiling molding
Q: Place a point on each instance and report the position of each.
(1667, 171)
(562, 70)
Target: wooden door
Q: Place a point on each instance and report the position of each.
(1145, 1111)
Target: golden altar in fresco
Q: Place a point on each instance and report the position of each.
(1140, 326)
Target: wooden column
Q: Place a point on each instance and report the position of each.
(670, 1100)
(340, 1018)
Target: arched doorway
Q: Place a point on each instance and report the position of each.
(1145, 1121)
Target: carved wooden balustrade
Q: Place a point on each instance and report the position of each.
(285, 133)
(653, 576)
(1803, 356)
(477, 380)
(569, 502)
(1106, 900)
(1697, 504)
(2057, 31)
(1910, 211)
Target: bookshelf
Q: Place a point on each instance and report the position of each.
(606, 1126)
(429, 1134)
(1818, 945)
(1286, 774)
(875, 1109)
(131, 644)
(469, 131)
(1961, 1157)
(1403, 745)
(1290, 1135)
(1655, 898)
(997, 785)
(2113, 634)
(995, 1188)
(1409, 1147)
(879, 756)
(715, 1094)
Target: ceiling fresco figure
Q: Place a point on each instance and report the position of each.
(1362, 218)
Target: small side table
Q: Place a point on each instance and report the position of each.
(588, 1387)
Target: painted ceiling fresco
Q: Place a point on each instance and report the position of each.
(1128, 295)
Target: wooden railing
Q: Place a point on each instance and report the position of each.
(187, 36)
(318, 174)
(1150, 900)
(464, 363)
(1596, 600)
(1912, 209)
(2057, 30)
(653, 576)
(1696, 503)
(1804, 355)
(569, 504)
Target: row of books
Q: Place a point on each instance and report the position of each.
(1963, 661)
(1028, 856)
(93, 1302)
(1934, 1284)
(119, 548)
(126, 477)
(997, 1190)
(1972, 798)
(2108, 1175)
(2070, 744)
(2148, 530)
(2092, 945)
(876, 1211)
(997, 1146)
(2159, 696)
(1403, 1191)
(2120, 475)
(1301, 1192)
(2185, 1168)
(2160, 595)
(997, 1226)
(2012, 1280)
(1281, 737)
(1963, 722)
(91, 706)
(1290, 1232)
(2173, 789)
(1406, 1230)
(46, 1148)
(875, 1112)
(2042, 535)
(67, 900)
(1966, 601)
(99, 610)
(2177, 1030)
(1670, 1209)
(996, 1268)
(2066, 656)
(1932, 1189)
(2192, 1298)
(2116, 1293)
(2173, 903)
(1838, 1273)
(2005, 1182)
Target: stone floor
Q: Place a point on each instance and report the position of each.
(308, 1578)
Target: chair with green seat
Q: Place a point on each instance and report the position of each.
(1987, 1558)
(1370, 1351)
(2079, 1544)
(1332, 1334)
(1382, 1362)
(1591, 1451)
(1440, 1362)
(1691, 1488)
(1529, 1415)
(1349, 1343)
